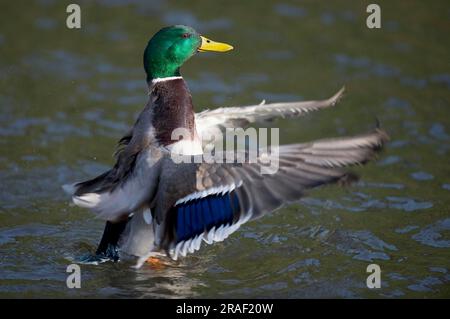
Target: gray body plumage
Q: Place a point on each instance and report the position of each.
(147, 183)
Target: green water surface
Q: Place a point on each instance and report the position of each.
(67, 96)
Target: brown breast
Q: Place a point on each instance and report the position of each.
(172, 108)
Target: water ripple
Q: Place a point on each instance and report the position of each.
(431, 235)
(362, 245)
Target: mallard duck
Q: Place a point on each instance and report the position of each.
(153, 205)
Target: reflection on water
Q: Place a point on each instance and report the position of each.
(67, 96)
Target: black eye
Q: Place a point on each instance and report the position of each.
(186, 35)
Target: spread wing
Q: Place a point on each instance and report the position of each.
(128, 184)
(209, 121)
(221, 197)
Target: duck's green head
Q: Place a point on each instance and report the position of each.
(170, 47)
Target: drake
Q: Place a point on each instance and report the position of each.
(153, 205)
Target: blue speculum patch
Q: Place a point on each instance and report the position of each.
(196, 216)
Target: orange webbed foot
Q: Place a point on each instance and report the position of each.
(155, 263)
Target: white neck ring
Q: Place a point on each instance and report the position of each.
(169, 78)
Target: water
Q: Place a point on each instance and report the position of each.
(66, 97)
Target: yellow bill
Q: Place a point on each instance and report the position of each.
(210, 45)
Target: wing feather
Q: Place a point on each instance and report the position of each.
(301, 167)
(209, 121)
